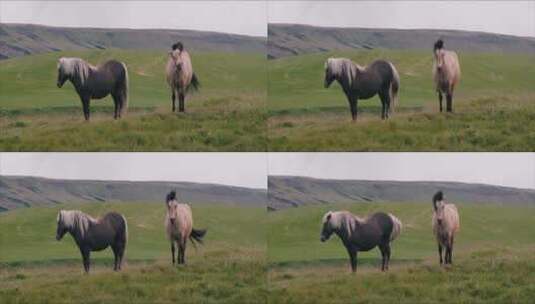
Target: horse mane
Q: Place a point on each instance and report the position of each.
(178, 45)
(171, 196)
(343, 67)
(75, 220)
(438, 45)
(75, 67)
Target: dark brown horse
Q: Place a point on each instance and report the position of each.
(378, 230)
(96, 82)
(95, 234)
(379, 78)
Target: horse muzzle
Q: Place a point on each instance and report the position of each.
(59, 84)
(323, 239)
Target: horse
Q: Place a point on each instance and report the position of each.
(95, 234)
(90, 82)
(180, 76)
(446, 73)
(380, 77)
(378, 230)
(445, 226)
(179, 227)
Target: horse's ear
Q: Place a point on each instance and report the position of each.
(329, 215)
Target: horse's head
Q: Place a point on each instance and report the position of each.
(61, 229)
(175, 55)
(62, 73)
(330, 74)
(327, 227)
(438, 206)
(439, 53)
(172, 205)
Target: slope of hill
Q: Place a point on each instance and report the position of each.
(19, 191)
(293, 39)
(286, 191)
(26, 39)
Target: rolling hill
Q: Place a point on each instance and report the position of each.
(27, 39)
(294, 39)
(287, 191)
(20, 191)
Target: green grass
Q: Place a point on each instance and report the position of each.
(494, 106)
(227, 114)
(493, 258)
(230, 267)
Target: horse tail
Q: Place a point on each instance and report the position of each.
(124, 106)
(125, 232)
(195, 84)
(394, 86)
(197, 235)
(396, 227)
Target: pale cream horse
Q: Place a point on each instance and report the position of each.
(180, 75)
(445, 226)
(446, 73)
(179, 227)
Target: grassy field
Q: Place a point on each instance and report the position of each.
(494, 106)
(228, 114)
(229, 268)
(494, 259)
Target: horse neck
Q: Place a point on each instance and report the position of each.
(76, 229)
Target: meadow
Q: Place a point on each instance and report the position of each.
(229, 268)
(227, 114)
(493, 258)
(494, 106)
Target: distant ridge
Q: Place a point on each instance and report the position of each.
(22, 191)
(28, 39)
(293, 191)
(295, 39)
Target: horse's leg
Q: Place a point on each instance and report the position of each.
(382, 248)
(449, 104)
(384, 102)
(440, 100)
(184, 251)
(173, 98)
(85, 106)
(85, 258)
(115, 250)
(173, 251)
(353, 106)
(352, 258)
(181, 99)
(440, 253)
(116, 104)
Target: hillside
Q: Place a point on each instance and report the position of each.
(293, 39)
(286, 191)
(18, 192)
(27, 39)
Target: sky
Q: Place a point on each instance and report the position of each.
(503, 169)
(238, 17)
(504, 17)
(235, 169)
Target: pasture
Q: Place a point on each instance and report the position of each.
(229, 268)
(493, 258)
(494, 106)
(227, 114)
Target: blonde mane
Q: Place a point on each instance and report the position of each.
(75, 67)
(75, 219)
